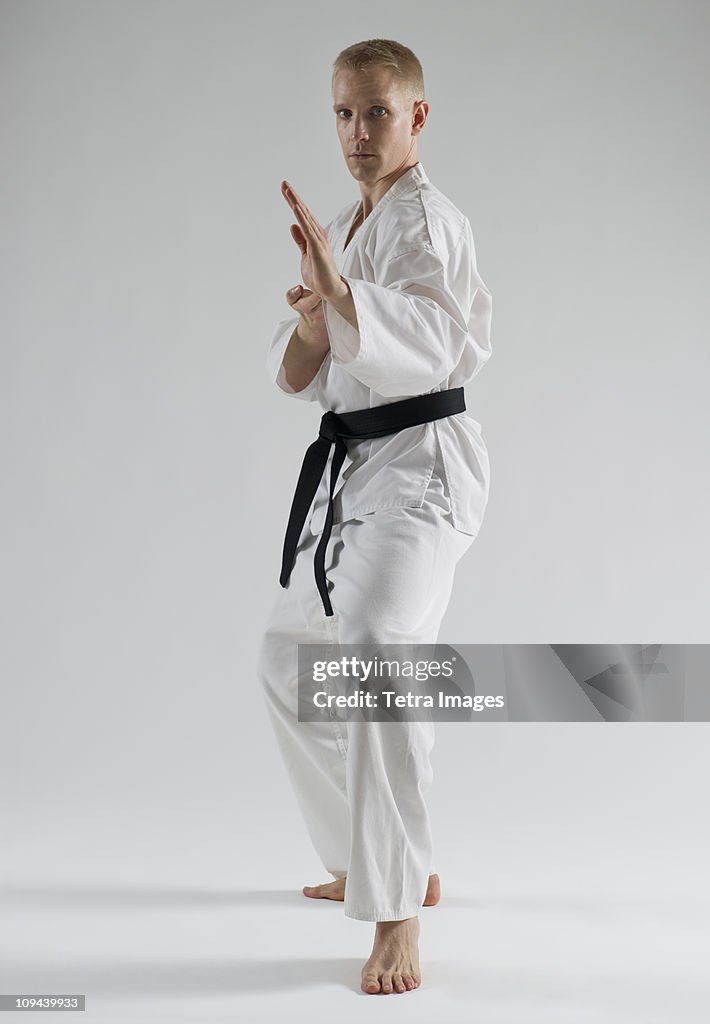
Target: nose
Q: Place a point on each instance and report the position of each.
(359, 132)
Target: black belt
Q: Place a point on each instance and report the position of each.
(362, 423)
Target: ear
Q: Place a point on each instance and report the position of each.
(419, 116)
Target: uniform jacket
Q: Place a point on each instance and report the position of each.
(424, 316)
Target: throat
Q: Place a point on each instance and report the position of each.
(355, 225)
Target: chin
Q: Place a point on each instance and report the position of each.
(361, 166)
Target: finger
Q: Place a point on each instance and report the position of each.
(290, 196)
(314, 224)
(287, 194)
(309, 302)
(295, 201)
(303, 222)
(297, 205)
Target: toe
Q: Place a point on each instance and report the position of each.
(398, 983)
(370, 983)
(386, 982)
(433, 892)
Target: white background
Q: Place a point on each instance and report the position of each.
(148, 467)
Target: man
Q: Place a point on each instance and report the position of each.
(392, 317)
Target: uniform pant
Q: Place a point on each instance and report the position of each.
(361, 785)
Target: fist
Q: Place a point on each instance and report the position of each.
(309, 305)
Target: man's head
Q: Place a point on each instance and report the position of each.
(378, 100)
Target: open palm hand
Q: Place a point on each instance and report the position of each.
(318, 268)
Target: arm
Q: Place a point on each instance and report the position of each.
(300, 343)
(307, 347)
(289, 349)
(405, 334)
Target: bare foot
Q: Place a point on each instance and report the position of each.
(433, 892)
(336, 891)
(328, 891)
(394, 962)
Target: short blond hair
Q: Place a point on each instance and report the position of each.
(383, 53)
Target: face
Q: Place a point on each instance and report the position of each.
(376, 116)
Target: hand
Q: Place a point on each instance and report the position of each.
(318, 268)
(309, 305)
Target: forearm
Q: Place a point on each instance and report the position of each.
(303, 356)
(344, 304)
(308, 346)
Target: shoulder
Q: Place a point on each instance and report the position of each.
(422, 218)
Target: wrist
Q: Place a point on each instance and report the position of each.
(311, 336)
(341, 291)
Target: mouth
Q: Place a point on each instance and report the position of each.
(361, 156)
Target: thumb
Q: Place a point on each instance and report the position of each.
(302, 300)
(299, 238)
(307, 301)
(294, 294)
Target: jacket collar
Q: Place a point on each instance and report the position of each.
(412, 179)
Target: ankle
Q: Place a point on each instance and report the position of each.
(389, 926)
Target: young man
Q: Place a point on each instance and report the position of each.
(391, 321)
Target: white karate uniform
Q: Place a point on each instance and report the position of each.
(406, 507)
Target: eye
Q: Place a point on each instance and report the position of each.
(344, 113)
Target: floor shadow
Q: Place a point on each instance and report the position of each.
(135, 979)
(142, 897)
(590, 906)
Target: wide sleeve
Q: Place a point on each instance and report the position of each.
(274, 362)
(427, 315)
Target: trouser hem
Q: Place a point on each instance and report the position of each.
(397, 914)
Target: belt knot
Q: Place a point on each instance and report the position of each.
(328, 426)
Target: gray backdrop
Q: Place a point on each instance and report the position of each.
(148, 465)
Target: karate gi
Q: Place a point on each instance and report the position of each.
(408, 505)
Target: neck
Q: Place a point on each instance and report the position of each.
(372, 193)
